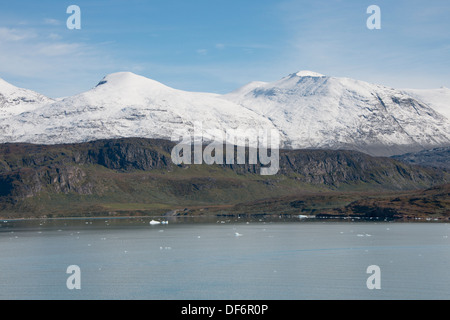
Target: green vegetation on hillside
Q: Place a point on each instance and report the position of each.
(137, 177)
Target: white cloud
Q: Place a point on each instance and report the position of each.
(59, 49)
(10, 34)
(54, 36)
(52, 22)
(40, 58)
(202, 52)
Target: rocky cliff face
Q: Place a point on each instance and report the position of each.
(29, 170)
(336, 168)
(437, 157)
(29, 182)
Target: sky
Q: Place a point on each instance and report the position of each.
(218, 46)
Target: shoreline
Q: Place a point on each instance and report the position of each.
(274, 217)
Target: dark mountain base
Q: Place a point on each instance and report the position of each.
(437, 157)
(126, 177)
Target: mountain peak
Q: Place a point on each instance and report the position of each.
(121, 77)
(120, 83)
(307, 73)
(6, 87)
(25, 95)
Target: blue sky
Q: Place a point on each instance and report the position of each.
(218, 46)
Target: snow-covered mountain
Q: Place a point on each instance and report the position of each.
(14, 100)
(309, 110)
(438, 99)
(316, 111)
(128, 105)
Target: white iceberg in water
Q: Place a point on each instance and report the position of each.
(154, 222)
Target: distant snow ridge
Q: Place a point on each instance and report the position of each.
(14, 100)
(308, 109)
(316, 111)
(438, 99)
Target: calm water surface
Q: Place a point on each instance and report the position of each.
(223, 259)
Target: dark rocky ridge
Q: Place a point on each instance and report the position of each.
(437, 157)
(114, 166)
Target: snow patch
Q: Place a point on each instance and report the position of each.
(307, 73)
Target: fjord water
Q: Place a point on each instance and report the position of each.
(223, 259)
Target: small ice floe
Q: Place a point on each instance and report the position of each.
(165, 222)
(153, 222)
(301, 216)
(237, 234)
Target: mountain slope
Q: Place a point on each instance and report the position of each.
(307, 110)
(439, 99)
(316, 111)
(438, 157)
(137, 174)
(14, 100)
(127, 105)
